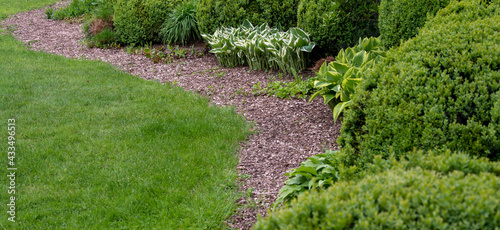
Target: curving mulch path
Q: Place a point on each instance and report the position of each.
(287, 131)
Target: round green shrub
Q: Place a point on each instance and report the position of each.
(139, 21)
(213, 14)
(396, 199)
(337, 24)
(440, 89)
(400, 19)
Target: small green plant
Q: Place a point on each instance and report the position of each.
(337, 80)
(49, 12)
(104, 39)
(180, 26)
(298, 88)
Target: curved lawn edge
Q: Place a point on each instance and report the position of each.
(99, 148)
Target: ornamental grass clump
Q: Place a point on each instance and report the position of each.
(261, 47)
(180, 26)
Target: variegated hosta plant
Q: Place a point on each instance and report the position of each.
(337, 81)
(261, 47)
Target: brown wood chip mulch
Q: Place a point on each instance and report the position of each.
(287, 131)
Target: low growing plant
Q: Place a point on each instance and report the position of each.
(298, 88)
(337, 80)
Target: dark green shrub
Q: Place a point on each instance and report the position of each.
(397, 199)
(400, 19)
(338, 24)
(139, 21)
(180, 26)
(212, 14)
(440, 89)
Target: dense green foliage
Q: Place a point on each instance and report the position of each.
(399, 198)
(440, 89)
(338, 24)
(139, 21)
(337, 80)
(181, 24)
(399, 20)
(212, 14)
(261, 47)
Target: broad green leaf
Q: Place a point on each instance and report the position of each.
(328, 97)
(340, 67)
(359, 58)
(333, 77)
(339, 108)
(321, 84)
(306, 171)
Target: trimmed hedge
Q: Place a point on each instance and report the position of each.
(213, 14)
(338, 24)
(139, 21)
(440, 89)
(400, 19)
(398, 199)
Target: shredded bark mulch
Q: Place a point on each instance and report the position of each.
(287, 131)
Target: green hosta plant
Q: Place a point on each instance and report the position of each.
(317, 172)
(337, 80)
(261, 47)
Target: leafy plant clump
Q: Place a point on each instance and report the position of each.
(181, 24)
(338, 79)
(396, 199)
(99, 29)
(261, 47)
(400, 20)
(440, 89)
(338, 24)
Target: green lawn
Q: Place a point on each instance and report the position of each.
(100, 149)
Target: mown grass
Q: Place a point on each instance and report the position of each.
(100, 149)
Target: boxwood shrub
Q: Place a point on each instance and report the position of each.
(139, 21)
(397, 199)
(337, 24)
(400, 19)
(440, 89)
(212, 14)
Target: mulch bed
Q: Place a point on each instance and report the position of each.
(287, 131)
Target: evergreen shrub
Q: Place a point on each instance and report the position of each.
(139, 21)
(338, 24)
(400, 19)
(440, 89)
